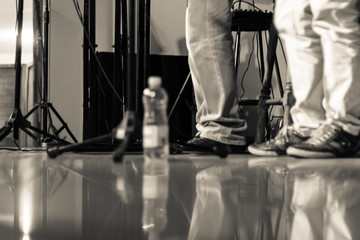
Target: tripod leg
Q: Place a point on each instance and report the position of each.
(31, 111)
(4, 131)
(30, 134)
(62, 122)
(43, 133)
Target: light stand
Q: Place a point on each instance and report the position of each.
(45, 105)
(17, 121)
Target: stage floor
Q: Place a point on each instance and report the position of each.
(88, 196)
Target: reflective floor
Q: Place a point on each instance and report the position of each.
(88, 196)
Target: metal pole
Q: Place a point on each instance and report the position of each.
(18, 54)
(45, 65)
(131, 74)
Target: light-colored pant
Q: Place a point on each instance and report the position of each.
(322, 40)
(211, 60)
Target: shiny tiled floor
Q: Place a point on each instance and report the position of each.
(88, 196)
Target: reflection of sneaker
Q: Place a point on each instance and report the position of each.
(277, 146)
(327, 141)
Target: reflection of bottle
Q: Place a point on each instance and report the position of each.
(155, 124)
(155, 195)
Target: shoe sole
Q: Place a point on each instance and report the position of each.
(222, 153)
(296, 152)
(258, 152)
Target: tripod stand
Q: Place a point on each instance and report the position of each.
(17, 121)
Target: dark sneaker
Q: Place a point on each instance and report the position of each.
(286, 137)
(328, 141)
(209, 146)
(238, 149)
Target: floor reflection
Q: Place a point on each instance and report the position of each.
(155, 191)
(325, 201)
(88, 196)
(224, 196)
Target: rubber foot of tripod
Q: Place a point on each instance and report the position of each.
(53, 152)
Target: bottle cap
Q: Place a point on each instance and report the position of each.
(154, 82)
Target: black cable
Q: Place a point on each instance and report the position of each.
(242, 80)
(233, 4)
(178, 97)
(260, 74)
(92, 48)
(251, 4)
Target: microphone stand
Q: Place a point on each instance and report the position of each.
(123, 132)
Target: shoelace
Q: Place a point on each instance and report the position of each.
(283, 134)
(323, 134)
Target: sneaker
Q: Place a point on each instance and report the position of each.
(206, 145)
(286, 137)
(328, 141)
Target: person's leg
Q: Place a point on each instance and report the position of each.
(337, 24)
(211, 60)
(293, 20)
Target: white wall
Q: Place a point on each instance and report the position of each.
(66, 65)
(168, 27)
(8, 32)
(104, 25)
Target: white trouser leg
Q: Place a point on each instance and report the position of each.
(293, 19)
(322, 39)
(211, 61)
(337, 24)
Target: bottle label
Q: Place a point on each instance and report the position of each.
(155, 136)
(155, 186)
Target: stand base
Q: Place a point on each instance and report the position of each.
(48, 107)
(122, 133)
(18, 122)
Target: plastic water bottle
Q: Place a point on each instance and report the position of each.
(155, 195)
(156, 153)
(155, 122)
